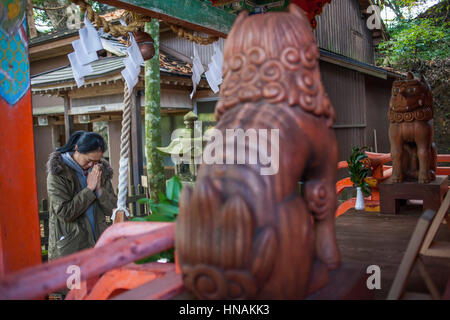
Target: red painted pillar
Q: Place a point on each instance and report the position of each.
(19, 217)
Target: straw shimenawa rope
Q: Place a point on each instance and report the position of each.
(183, 33)
(135, 22)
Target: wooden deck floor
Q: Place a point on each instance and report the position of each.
(370, 238)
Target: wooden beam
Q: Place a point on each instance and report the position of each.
(428, 280)
(175, 53)
(193, 14)
(136, 140)
(410, 256)
(442, 212)
(96, 91)
(56, 143)
(52, 48)
(115, 86)
(349, 63)
(68, 119)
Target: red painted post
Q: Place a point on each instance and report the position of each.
(19, 217)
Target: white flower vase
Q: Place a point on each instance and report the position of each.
(359, 205)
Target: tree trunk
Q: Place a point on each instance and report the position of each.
(155, 168)
(394, 7)
(32, 32)
(57, 17)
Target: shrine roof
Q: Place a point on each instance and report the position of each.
(108, 66)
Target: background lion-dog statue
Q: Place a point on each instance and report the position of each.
(243, 235)
(411, 131)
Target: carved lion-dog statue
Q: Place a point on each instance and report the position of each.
(411, 131)
(243, 235)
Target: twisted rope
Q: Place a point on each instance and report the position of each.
(182, 33)
(124, 154)
(114, 30)
(134, 23)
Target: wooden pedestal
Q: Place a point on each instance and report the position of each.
(349, 282)
(392, 194)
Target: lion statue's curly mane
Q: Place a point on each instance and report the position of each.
(243, 235)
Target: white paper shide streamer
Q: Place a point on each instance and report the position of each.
(85, 52)
(132, 64)
(197, 70)
(214, 73)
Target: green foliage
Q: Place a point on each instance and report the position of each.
(41, 17)
(98, 7)
(421, 45)
(358, 171)
(415, 39)
(166, 209)
(167, 255)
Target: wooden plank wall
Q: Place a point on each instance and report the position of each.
(170, 98)
(97, 100)
(342, 29)
(378, 93)
(171, 40)
(346, 90)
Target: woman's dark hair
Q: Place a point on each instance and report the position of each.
(86, 142)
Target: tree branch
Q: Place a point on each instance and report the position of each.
(50, 8)
(58, 23)
(394, 7)
(30, 21)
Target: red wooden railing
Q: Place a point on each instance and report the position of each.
(380, 172)
(120, 245)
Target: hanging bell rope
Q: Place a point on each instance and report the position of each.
(121, 209)
(134, 22)
(183, 33)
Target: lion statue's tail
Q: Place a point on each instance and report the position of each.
(245, 259)
(231, 249)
